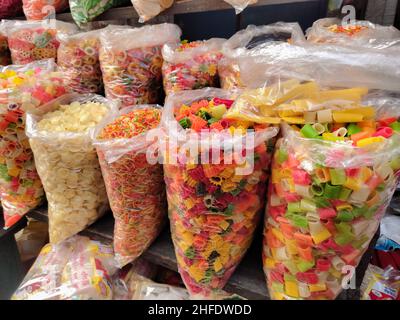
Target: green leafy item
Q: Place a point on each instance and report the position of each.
(84, 11)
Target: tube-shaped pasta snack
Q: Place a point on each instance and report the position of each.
(78, 59)
(23, 89)
(40, 9)
(350, 195)
(35, 40)
(191, 65)
(131, 62)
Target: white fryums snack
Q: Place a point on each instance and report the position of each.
(69, 169)
(75, 117)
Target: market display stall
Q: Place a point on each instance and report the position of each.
(304, 156)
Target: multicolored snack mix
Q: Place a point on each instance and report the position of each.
(131, 62)
(358, 33)
(191, 65)
(247, 43)
(333, 175)
(324, 205)
(214, 204)
(35, 40)
(75, 269)
(22, 89)
(78, 59)
(67, 162)
(135, 187)
(84, 11)
(40, 9)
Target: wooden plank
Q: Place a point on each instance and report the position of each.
(181, 7)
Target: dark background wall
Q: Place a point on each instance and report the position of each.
(225, 23)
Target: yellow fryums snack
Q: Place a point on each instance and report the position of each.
(68, 166)
(75, 117)
(299, 102)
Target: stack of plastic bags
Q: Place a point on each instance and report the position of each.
(214, 192)
(75, 269)
(22, 89)
(131, 62)
(40, 9)
(191, 65)
(67, 162)
(10, 8)
(248, 43)
(35, 40)
(135, 187)
(148, 9)
(356, 34)
(78, 59)
(85, 11)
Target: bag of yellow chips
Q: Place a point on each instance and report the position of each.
(67, 162)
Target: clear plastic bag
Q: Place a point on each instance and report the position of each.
(145, 289)
(123, 278)
(35, 40)
(5, 55)
(23, 89)
(247, 43)
(135, 188)
(84, 11)
(297, 102)
(329, 65)
(325, 201)
(75, 269)
(379, 284)
(78, 59)
(148, 9)
(240, 5)
(31, 239)
(40, 9)
(192, 65)
(10, 8)
(67, 162)
(131, 62)
(358, 34)
(214, 206)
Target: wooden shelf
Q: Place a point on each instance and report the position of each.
(180, 7)
(248, 279)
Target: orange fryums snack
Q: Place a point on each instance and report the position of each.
(135, 187)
